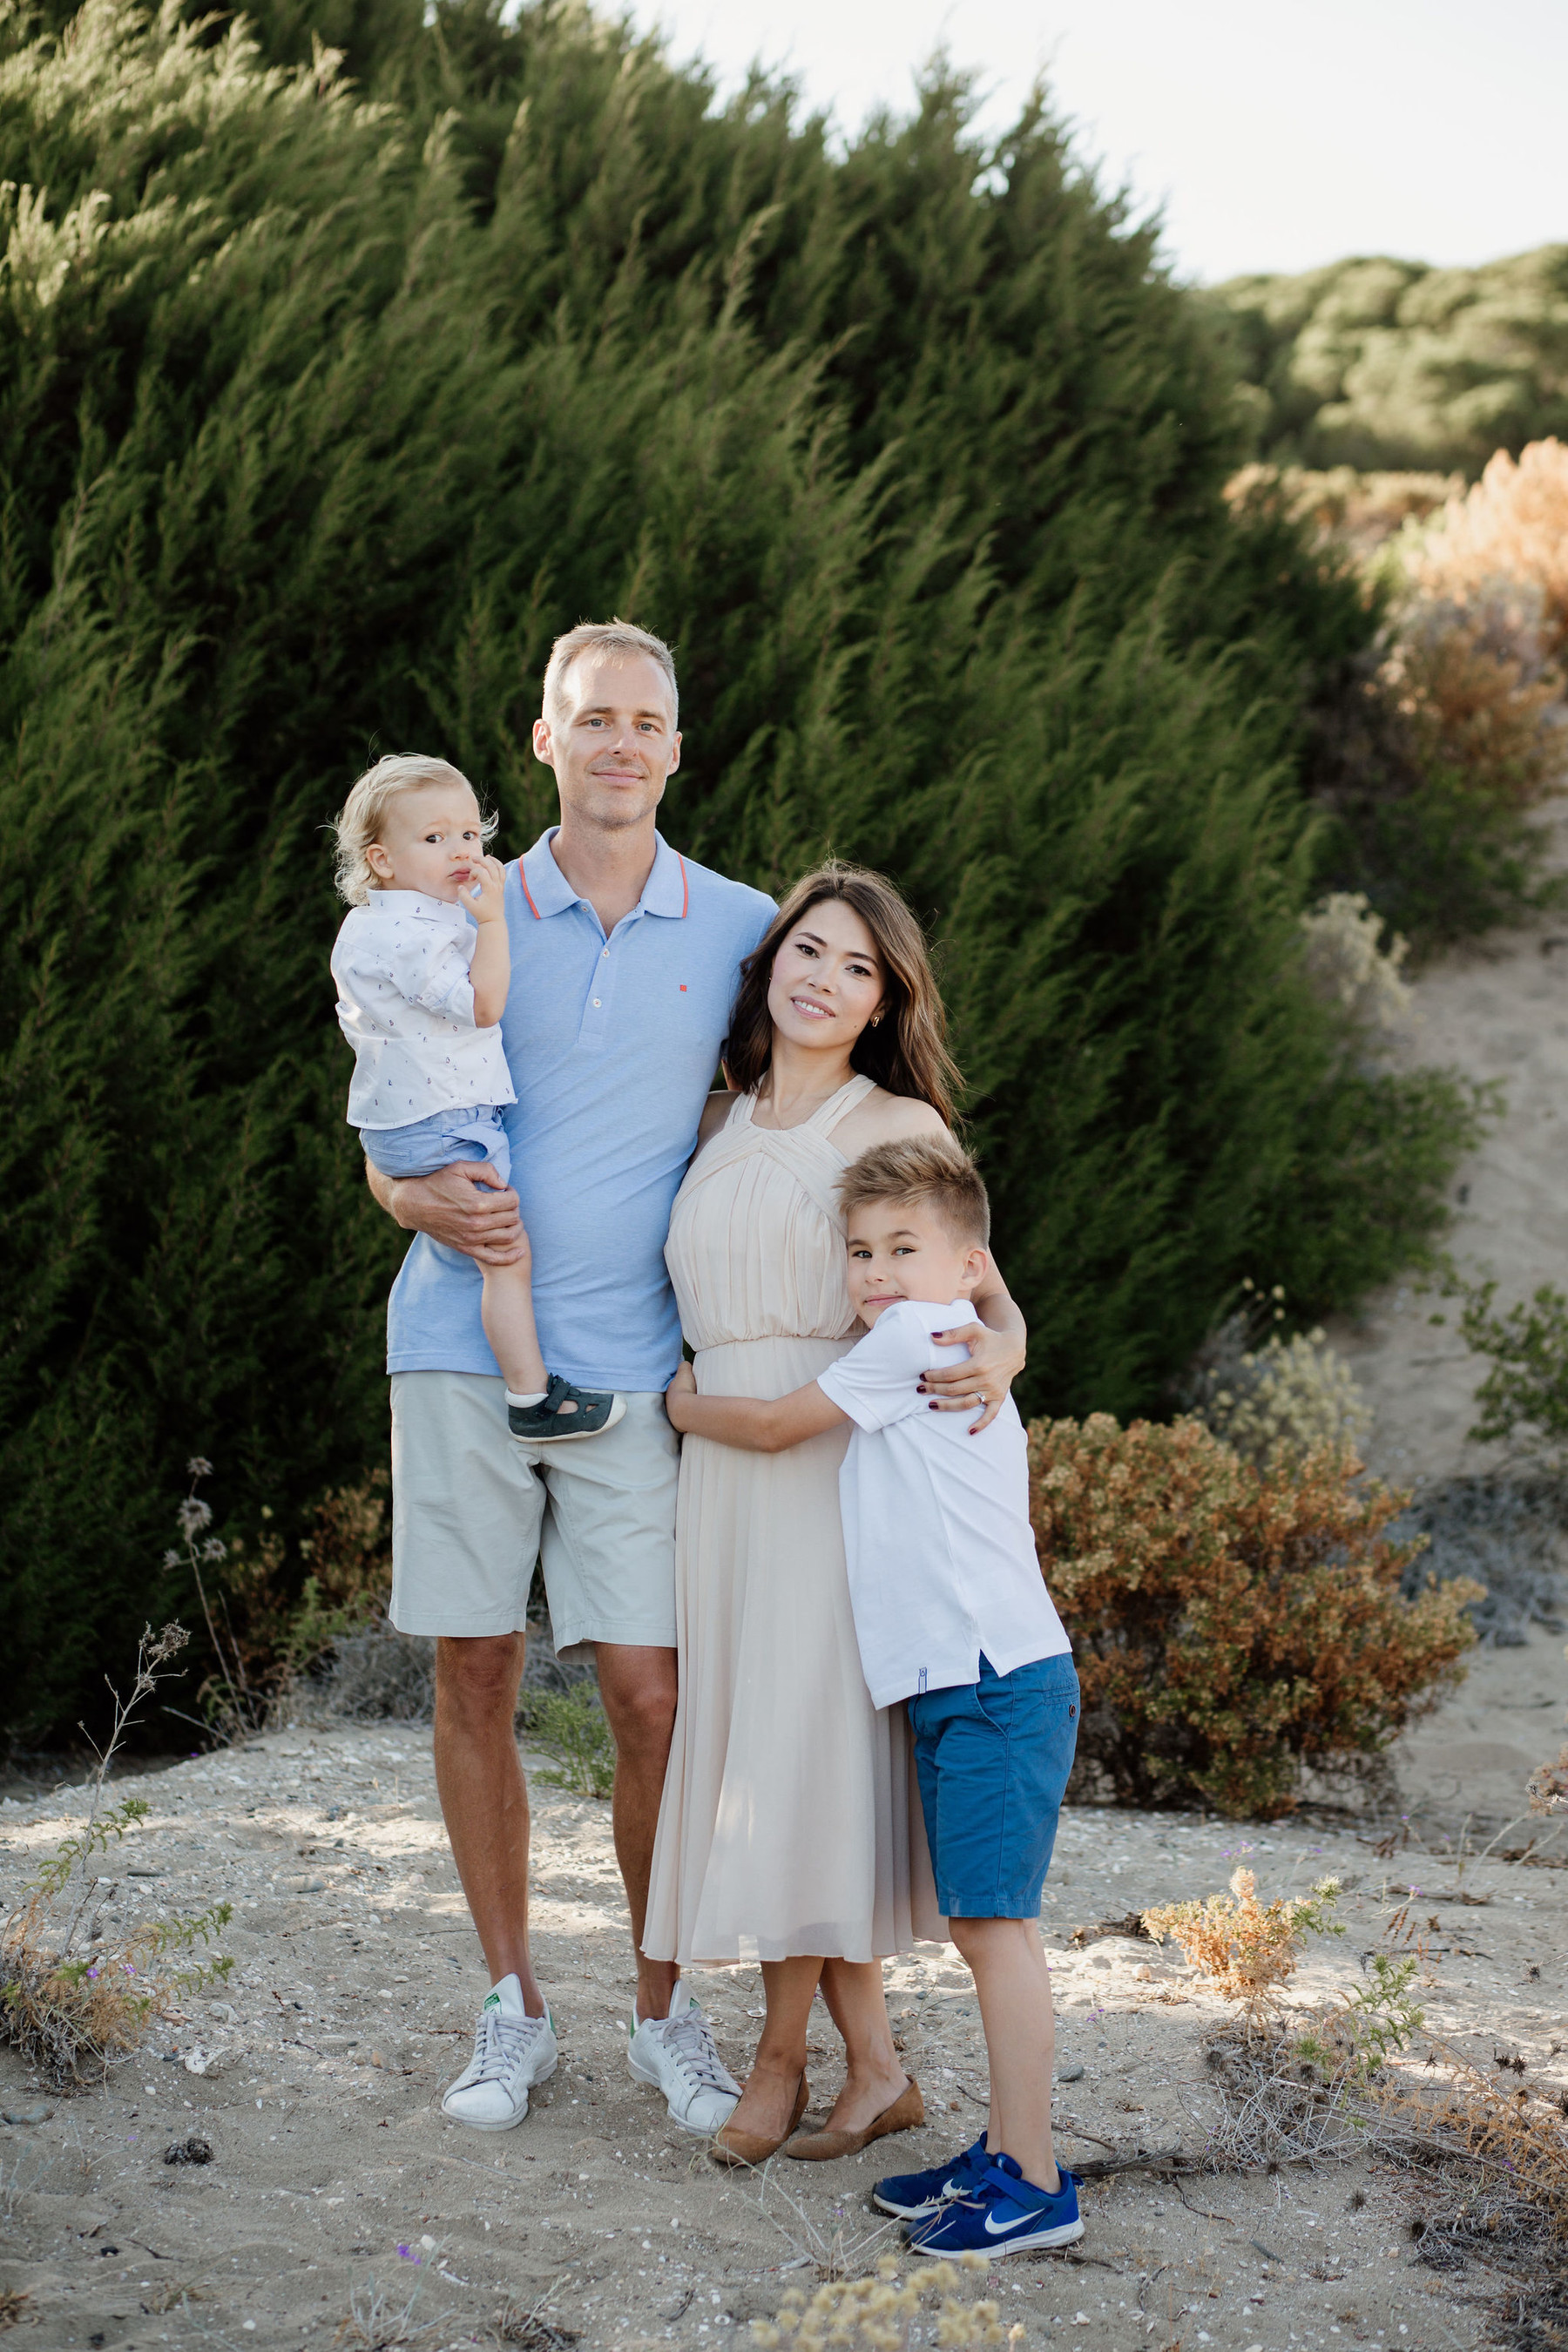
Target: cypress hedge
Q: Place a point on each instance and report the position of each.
(325, 402)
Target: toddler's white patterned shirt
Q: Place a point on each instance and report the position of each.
(405, 1001)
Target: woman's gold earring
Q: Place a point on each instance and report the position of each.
(876, 1020)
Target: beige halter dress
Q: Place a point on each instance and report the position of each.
(787, 1825)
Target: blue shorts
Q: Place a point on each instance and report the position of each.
(438, 1141)
(993, 1759)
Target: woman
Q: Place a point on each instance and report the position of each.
(786, 1832)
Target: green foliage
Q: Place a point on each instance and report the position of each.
(74, 1852)
(320, 417)
(1524, 1398)
(1376, 362)
(570, 1726)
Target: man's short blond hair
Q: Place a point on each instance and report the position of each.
(927, 1172)
(622, 640)
(363, 815)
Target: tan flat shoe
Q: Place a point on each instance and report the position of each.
(741, 2149)
(908, 2110)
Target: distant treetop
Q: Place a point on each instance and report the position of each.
(1378, 363)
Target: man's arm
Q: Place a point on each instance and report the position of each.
(998, 1346)
(467, 1206)
(761, 1425)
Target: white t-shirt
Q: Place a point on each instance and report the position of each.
(405, 1000)
(936, 1523)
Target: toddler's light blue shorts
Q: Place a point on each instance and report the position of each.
(473, 1133)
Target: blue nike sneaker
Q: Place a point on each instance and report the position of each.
(915, 2196)
(999, 2212)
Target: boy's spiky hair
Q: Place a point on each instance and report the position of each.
(928, 1171)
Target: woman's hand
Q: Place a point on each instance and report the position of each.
(995, 1360)
(683, 1385)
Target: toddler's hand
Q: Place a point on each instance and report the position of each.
(481, 892)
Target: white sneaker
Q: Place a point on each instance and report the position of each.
(512, 2052)
(677, 2053)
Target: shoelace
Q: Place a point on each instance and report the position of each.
(690, 2040)
(499, 2042)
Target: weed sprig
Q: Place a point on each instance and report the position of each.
(1248, 1949)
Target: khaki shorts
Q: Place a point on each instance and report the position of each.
(472, 1510)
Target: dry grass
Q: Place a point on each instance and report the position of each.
(1248, 1950)
(875, 2313)
(77, 1994)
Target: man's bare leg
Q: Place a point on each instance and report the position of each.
(484, 1797)
(638, 1687)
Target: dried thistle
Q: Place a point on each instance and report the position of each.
(875, 2314)
(1248, 1949)
(1547, 1787)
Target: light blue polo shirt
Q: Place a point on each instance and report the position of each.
(612, 1046)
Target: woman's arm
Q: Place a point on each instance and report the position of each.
(998, 1346)
(762, 1426)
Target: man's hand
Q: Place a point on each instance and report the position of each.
(684, 1384)
(481, 894)
(465, 1206)
(995, 1360)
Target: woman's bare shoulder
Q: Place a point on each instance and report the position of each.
(885, 1118)
(715, 1111)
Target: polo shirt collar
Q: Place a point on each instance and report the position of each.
(548, 892)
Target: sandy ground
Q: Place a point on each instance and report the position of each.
(1498, 1012)
(357, 1977)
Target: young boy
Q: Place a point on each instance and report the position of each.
(422, 965)
(951, 1615)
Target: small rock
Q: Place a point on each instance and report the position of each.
(225, 2011)
(200, 2060)
(192, 2150)
(1070, 2074)
(337, 2040)
(1144, 1973)
(304, 1885)
(38, 2114)
(143, 1870)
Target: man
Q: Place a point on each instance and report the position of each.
(625, 959)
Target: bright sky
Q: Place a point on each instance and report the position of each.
(1275, 133)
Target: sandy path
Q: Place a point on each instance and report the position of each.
(1498, 1012)
(356, 1981)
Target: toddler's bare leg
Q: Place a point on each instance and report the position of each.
(507, 1308)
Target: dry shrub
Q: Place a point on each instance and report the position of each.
(78, 1991)
(1273, 1400)
(1510, 529)
(1248, 1950)
(875, 2314)
(1547, 1787)
(1358, 511)
(1231, 1624)
(276, 1608)
(1348, 964)
(1483, 706)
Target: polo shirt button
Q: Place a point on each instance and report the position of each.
(595, 1000)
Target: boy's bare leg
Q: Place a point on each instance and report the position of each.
(638, 1687)
(1008, 1964)
(506, 1308)
(484, 1797)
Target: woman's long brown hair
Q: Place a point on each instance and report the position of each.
(907, 1051)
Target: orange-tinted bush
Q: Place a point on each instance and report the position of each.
(1510, 529)
(1231, 1624)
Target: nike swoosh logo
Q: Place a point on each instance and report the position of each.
(995, 2229)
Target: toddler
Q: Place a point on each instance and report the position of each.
(952, 1616)
(422, 964)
